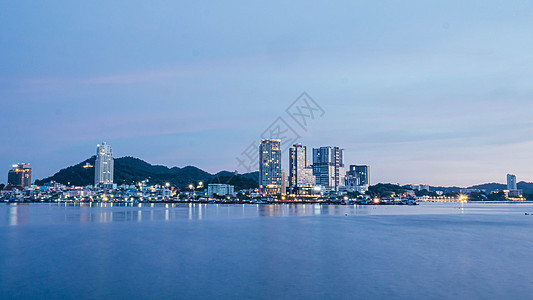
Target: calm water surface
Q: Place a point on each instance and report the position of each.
(161, 251)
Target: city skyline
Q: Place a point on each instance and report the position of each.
(266, 149)
(104, 157)
(442, 98)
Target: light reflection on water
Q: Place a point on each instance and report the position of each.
(22, 214)
(108, 251)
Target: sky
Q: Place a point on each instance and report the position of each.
(436, 93)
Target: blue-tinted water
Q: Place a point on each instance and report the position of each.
(439, 251)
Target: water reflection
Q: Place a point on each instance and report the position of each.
(18, 214)
(112, 212)
(35, 213)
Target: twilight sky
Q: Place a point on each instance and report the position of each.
(437, 93)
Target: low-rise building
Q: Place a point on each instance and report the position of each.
(220, 189)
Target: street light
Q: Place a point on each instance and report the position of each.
(191, 187)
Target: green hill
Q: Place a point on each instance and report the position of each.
(130, 170)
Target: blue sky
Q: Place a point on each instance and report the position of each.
(436, 93)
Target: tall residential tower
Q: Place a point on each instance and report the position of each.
(269, 167)
(357, 179)
(20, 175)
(104, 166)
(511, 182)
(328, 167)
(300, 173)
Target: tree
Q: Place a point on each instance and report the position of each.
(352, 195)
(385, 190)
(477, 196)
(500, 196)
(2, 186)
(425, 193)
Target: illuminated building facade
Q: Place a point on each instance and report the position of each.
(284, 182)
(270, 167)
(328, 167)
(104, 165)
(511, 182)
(301, 176)
(357, 179)
(220, 189)
(512, 192)
(19, 175)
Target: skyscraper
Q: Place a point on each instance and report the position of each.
(328, 167)
(104, 166)
(511, 182)
(300, 173)
(20, 175)
(284, 182)
(357, 178)
(269, 167)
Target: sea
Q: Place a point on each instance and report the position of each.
(451, 250)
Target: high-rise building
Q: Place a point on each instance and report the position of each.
(511, 182)
(104, 165)
(269, 167)
(300, 172)
(19, 175)
(363, 174)
(284, 182)
(357, 178)
(328, 167)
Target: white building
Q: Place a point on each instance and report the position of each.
(511, 182)
(104, 165)
(419, 187)
(284, 182)
(300, 172)
(165, 193)
(220, 189)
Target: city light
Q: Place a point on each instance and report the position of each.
(463, 198)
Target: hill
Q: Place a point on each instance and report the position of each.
(488, 187)
(131, 170)
(526, 187)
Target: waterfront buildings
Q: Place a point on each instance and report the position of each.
(419, 187)
(269, 167)
(20, 175)
(104, 166)
(220, 189)
(357, 178)
(328, 167)
(284, 182)
(301, 177)
(511, 182)
(512, 192)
